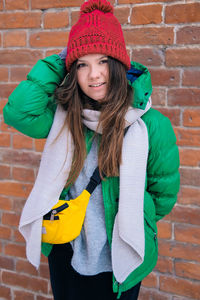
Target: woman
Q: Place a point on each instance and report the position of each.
(102, 117)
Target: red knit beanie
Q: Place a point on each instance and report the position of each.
(96, 31)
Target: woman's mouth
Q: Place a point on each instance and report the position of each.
(96, 84)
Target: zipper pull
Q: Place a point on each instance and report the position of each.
(52, 214)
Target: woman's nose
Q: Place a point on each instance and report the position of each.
(94, 72)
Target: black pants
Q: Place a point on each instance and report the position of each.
(67, 284)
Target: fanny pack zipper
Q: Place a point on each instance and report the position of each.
(51, 214)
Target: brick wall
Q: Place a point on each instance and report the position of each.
(163, 35)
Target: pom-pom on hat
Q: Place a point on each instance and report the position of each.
(96, 31)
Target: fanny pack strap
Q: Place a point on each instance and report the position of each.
(95, 180)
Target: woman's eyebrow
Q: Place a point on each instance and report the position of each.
(82, 60)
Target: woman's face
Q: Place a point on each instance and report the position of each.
(92, 75)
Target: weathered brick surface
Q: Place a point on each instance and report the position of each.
(16, 4)
(149, 36)
(183, 57)
(15, 39)
(146, 15)
(56, 19)
(163, 35)
(182, 13)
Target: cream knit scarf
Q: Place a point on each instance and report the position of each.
(128, 233)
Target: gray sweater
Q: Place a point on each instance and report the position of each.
(91, 251)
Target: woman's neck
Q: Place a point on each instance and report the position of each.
(90, 103)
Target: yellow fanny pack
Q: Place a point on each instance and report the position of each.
(63, 223)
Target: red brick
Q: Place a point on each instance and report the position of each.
(16, 4)
(1, 4)
(22, 158)
(6, 89)
(158, 96)
(9, 188)
(191, 78)
(57, 19)
(7, 264)
(5, 233)
(74, 16)
(53, 51)
(182, 13)
(148, 56)
(122, 14)
(4, 139)
(165, 77)
(172, 113)
(190, 176)
(44, 298)
(22, 142)
(183, 57)
(6, 128)
(187, 137)
(146, 14)
(21, 295)
(15, 39)
(179, 250)
(184, 97)
(4, 172)
(164, 230)
(20, 57)
(39, 144)
(164, 265)
(152, 294)
(3, 74)
(22, 174)
(15, 250)
(18, 237)
(5, 203)
(179, 286)
(23, 266)
(23, 281)
(18, 205)
(19, 73)
(187, 270)
(53, 4)
(44, 271)
(149, 36)
(187, 233)
(189, 157)
(44, 259)
(49, 39)
(20, 20)
(10, 219)
(184, 214)
(5, 292)
(150, 280)
(188, 35)
(2, 104)
(191, 117)
(189, 196)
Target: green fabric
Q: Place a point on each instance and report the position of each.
(31, 109)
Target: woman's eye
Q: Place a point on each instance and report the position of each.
(81, 65)
(104, 61)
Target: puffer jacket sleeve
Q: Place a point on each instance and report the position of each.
(31, 106)
(163, 177)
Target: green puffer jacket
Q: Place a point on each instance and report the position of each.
(31, 109)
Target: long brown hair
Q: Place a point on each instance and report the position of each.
(113, 109)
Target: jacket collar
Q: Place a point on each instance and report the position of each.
(140, 79)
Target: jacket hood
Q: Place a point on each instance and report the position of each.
(140, 79)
